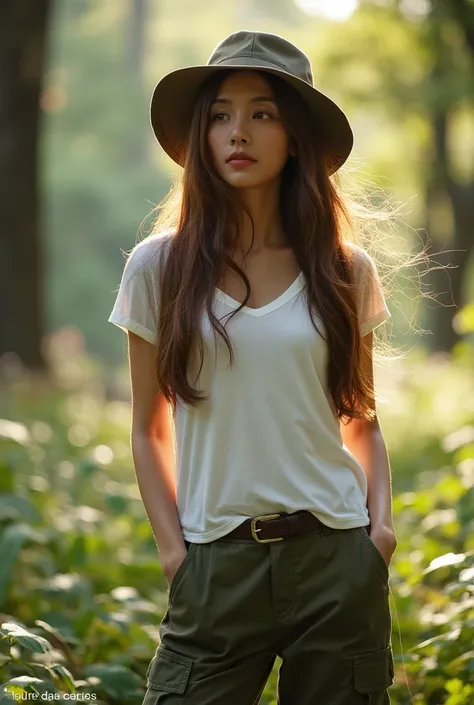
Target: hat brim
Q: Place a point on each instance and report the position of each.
(175, 94)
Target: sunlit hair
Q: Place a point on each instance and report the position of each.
(201, 209)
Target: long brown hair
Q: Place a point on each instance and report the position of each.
(203, 209)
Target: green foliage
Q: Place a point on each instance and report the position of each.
(82, 590)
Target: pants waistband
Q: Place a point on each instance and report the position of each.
(267, 528)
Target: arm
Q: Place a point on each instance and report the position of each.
(153, 455)
(365, 441)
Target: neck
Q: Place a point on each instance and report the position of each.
(268, 231)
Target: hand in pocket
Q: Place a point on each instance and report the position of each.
(385, 542)
(170, 566)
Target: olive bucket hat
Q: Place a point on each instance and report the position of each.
(175, 94)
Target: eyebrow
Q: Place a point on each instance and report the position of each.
(256, 99)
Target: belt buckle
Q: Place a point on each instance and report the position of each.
(264, 517)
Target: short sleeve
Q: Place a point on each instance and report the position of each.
(136, 305)
(372, 307)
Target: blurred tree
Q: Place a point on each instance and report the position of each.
(98, 176)
(417, 70)
(23, 36)
(137, 146)
(444, 178)
(463, 12)
(136, 33)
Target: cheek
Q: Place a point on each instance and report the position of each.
(217, 146)
(277, 147)
(214, 140)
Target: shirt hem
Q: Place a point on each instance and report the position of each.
(348, 524)
(126, 323)
(217, 533)
(375, 321)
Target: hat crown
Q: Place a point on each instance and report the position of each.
(267, 49)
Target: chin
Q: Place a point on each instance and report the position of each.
(241, 178)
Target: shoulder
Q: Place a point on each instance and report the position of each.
(146, 255)
(360, 260)
(152, 245)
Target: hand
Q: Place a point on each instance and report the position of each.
(171, 565)
(385, 540)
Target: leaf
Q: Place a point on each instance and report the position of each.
(7, 477)
(15, 507)
(14, 431)
(66, 675)
(12, 540)
(22, 681)
(77, 552)
(114, 679)
(30, 684)
(20, 635)
(446, 559)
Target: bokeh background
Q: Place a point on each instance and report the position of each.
(81, 588)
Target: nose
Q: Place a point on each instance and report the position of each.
(239, 132)
(237, 138)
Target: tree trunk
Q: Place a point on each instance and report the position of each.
(448, 284)
(136, 34)
(23, 27)
(136, 150)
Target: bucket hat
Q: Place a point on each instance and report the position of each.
(175, 94)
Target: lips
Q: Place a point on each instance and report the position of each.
(241, 157)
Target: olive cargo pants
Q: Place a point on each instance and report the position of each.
(320, 601)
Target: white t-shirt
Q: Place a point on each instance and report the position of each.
(267, 440)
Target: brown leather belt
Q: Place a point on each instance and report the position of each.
(275, 527)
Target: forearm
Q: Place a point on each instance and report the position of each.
(154, 469)
(368, 447)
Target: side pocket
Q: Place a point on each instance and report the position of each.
(373, 674)
(178, 576)
(168, 672)
(362, 530)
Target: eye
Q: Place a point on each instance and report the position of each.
(215, 117)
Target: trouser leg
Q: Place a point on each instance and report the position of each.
(216, 635)
(335, 643)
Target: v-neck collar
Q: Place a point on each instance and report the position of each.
(287, 295)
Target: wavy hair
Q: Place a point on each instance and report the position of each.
(202, 209)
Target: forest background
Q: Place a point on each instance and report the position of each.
(81, 588)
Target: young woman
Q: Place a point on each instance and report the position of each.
(255, 439)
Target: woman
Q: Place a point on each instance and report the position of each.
(280, 462)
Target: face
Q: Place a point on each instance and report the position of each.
(245, 117)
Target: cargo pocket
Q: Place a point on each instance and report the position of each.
(373, 674)
(167, 677)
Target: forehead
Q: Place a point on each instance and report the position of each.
(245, 81)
